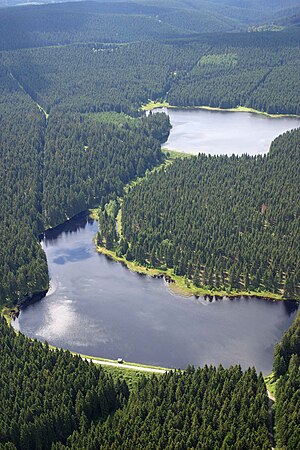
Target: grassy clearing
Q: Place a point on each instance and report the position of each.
(152, 105)
(132, 377)
(181, 286)
(120, 366)
(6, 313)
(245, 109)
(271, 384)
(173, 154)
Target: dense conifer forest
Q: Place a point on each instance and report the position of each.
(49, 398)
(257, 70)
(88, 157)
(72, 84)
(45, 395)
(73, 78)
(287, 372)
(223, 222)
(206, 408)
(23, 265)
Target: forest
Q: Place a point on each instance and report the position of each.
(51, 399)
(257, 70)
(221, 222)
(73, 78)
(287, 373)
(88, 158)
(62, 95)
(46, 395)
(126, 21)
(23, 265)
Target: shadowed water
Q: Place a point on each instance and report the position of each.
(98, 307)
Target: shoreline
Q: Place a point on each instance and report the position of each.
(176, 284)
(155, 105)
(6, 313)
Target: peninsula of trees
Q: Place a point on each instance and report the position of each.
(58, 156)
(224, 223)
(73, 78)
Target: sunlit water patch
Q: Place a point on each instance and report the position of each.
(98, 307)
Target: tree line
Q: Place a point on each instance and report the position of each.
(256, 70)
(50, 399)
(47, 394)
(53, 169)
(287, 371)
(222, 222)
(23, 265)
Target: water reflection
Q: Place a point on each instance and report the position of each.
(222, 132)
(98, 307)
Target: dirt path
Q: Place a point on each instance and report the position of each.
(271, 419)
(271, 397)
(128, 366)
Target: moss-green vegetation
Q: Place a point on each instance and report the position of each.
(131, 377)
(271, 381)
(152, 104)
(111, 117)
(7, 314)
(246, 109)
(223, 60)
(173, 154)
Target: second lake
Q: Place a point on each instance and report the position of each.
(224, 132)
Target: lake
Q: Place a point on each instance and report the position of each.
(224, 132)
(98, 307)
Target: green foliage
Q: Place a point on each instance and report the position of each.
(287, 348)
(229, 222)
(206, 408)
(23, 265)
(53, 169)
(47, 394)
(287, 369)
(64, 24)
(255, 70)
(227, 59)
(90, 160)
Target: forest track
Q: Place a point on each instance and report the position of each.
(128, 366)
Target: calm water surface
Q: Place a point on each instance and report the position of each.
(98, 307)
(223, 132)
